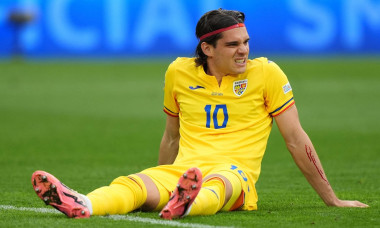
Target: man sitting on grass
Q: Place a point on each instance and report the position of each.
(220, 107)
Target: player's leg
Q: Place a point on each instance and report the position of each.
(154, 192)
(183, 196)
(156, 201)
(123, 195)
(220, 191)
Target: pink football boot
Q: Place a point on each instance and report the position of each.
(58, 195)
(184, 194)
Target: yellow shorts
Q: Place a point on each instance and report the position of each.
(166, 178)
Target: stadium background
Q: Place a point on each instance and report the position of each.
(81, 97)
(163, 27)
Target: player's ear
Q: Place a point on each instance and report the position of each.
(207, 49)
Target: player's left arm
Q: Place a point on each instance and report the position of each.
(306, 158)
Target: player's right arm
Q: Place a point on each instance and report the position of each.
(170, 141)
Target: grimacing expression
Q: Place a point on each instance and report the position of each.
(230, 55)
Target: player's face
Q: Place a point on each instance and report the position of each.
(230, 55)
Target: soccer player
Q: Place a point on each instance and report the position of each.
(220, 108)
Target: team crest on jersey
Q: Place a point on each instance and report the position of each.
(240, 87)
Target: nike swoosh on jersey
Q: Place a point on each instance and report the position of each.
(197, 87)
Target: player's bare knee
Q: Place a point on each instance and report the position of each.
(153, 195)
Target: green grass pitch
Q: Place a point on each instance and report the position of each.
(90, 122)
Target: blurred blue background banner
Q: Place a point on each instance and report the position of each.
(128, 28)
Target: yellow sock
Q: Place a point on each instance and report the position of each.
(210, 198)
(124, 195)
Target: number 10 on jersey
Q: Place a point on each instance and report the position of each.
(215, 110)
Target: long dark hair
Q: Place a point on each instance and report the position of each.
(211, 21)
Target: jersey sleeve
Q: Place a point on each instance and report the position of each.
(170, 104)
(278, 92)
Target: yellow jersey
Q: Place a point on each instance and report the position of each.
(230, 123)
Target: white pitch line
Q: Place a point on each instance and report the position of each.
(117, 217)
(40, 210)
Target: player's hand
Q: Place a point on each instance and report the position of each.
(350, 203)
